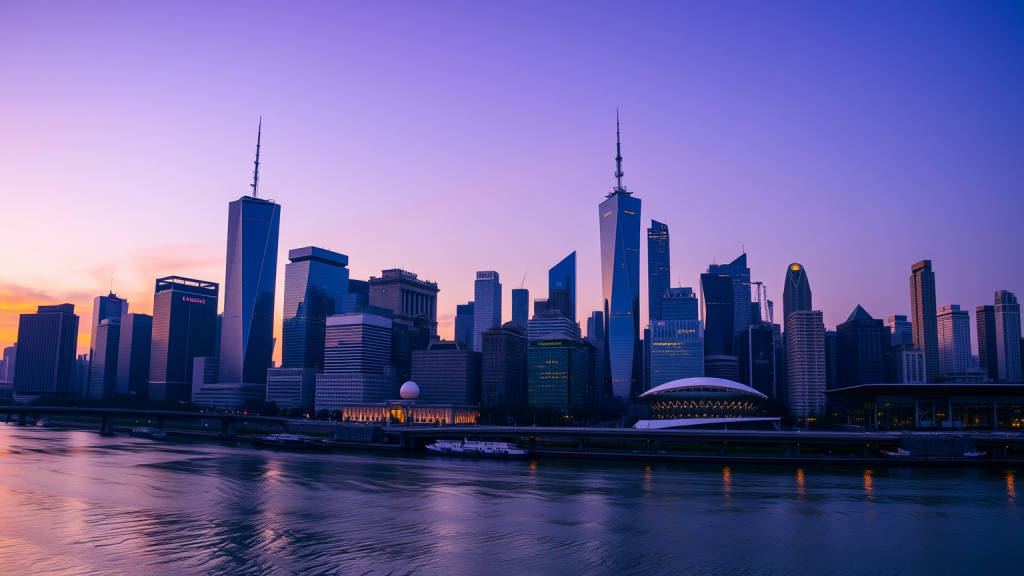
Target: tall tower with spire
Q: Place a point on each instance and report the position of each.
(619, 217)
(247, 333)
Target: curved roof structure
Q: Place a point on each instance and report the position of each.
(702, 384)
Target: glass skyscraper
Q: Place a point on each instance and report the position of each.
(739, 274)
(184, 326)
(46, 351)
(464, 324)
(247, 335)
(796, 292)
(109, 308)
(486, 306)
(315, 284)
(520, 305)
(562, 287)
(924, 320)
(659, 274)
(620, 285)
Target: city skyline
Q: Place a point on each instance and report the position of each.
(889, 164)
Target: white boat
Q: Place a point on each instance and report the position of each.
(477, 449)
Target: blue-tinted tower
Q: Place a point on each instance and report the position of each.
(315, 286)
(659, 274)
(562, 286)
(247, 336)
(521, 306)
(620, 285)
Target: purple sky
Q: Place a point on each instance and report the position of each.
(853, 137)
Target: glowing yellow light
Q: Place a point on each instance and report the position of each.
(794, 267)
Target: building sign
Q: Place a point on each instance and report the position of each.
(194, 300)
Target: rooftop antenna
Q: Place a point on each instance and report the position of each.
(111, 284)
(256, 174)
(618, 157)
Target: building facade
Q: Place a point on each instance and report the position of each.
(357, 361)
(1007, 320)
(406, 296)
(901, 330)
(315, 287)
(988, 357)
(805, 362)
(47, 341)
(464, 324)
(676, 350)
(954, 331)
(10, 359)
(756, 359)
(553, 322)
(447, 373)
(291, 388)
(133, 354)
(923, 314)
(502, 364)
(679, 304)
(184, 326)
(739, 276)
(486, 305)
(796, 292)
(562, 286)
(520, 305)
(862, 344)
(556, 374)
(659, 271)
(109, 308)
(907, 365)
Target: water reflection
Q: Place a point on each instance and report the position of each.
(800, 484)
(727, 482)
(869, 487)
(1011, 489)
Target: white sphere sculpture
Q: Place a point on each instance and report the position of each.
(410, 391)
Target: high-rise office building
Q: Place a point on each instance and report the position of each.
(901, 331)
(923, 314)
(659, 272)
(520, 305)
(988, 357)
(103, 360)
(831, 368)
(358, 295)
(906, 365)
(291, 388)
(739, 276)
(602, 386)
(1007, 320)
(755, 349)
(10, 358)
(405, 341)
(486, 305)
(184, 326)
(502, 363)
(133, 354)
(676, 350)
(679, 304)
(447, 373)
(111, 308)
(406, 296)
(543, 325)
(81, 380)
(954, 331)
(357, 361)
(47, 341)
(464, 324)
(805, 362)
(862, 346)
(556, 374)
(315, 286)
(562, 286)
(796, 292)
(619, 217)
(717, 297)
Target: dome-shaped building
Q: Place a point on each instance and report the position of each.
(702, 398)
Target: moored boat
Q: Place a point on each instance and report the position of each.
(289, 442)
(43, 422)
(477, 449)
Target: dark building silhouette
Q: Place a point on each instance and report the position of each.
(924, 316)
(109, 308)
(184, 326)
(862, 346)
(562, 286)
(679, 304)
(447, 373)
(619, 218)
(796, 292)
(757, 359)
(502, 376)
(556, 374)
(595, 336)
(315, 286)
(133, 354)
(831, 371)
(659, 273)
(47, 341)
(520, 305)
(464, 324)
(739, 275)
(717, 294)
(406, 340)
(988, 359)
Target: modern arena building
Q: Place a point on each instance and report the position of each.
(711, 403)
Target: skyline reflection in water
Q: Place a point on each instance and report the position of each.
(74, 502)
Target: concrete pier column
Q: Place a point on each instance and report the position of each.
(227, 427)
(107, 426)
(21, 419)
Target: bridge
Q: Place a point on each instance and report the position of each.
(108, 415)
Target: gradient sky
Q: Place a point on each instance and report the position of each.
(853, 137)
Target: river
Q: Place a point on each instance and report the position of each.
(74, 502)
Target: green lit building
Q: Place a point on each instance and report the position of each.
(556, 373)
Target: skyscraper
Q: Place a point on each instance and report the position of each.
(464, 324)
(250, 278)
(717, 297)
(796, 292)
(503, 357)
(184, 326)
(562, 286)
(408, 297)
(556, 374)
(133, 354)
(923, 315)
(315, 285)
(954, 331)
(111, 308)
(988, 358)
(486, 305)
(739, 275)
(103, 361)
(679, 304)
(619, 217)
(1007, 317)
(520, 305)
(901, 330)
(10, 358)
(805, 362)
(447, 373)
(602, 385)
(862, 345)
(677, 350)
(659, 273)
(46, 351)
(357, 361)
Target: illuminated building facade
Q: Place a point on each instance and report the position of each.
(556, 374)
(954, 331)
(805, 362)
(184, 326)
(677, 350)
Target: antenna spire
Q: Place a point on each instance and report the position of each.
(256, 174)
(618, 155)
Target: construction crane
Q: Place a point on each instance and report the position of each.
(523, 283)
